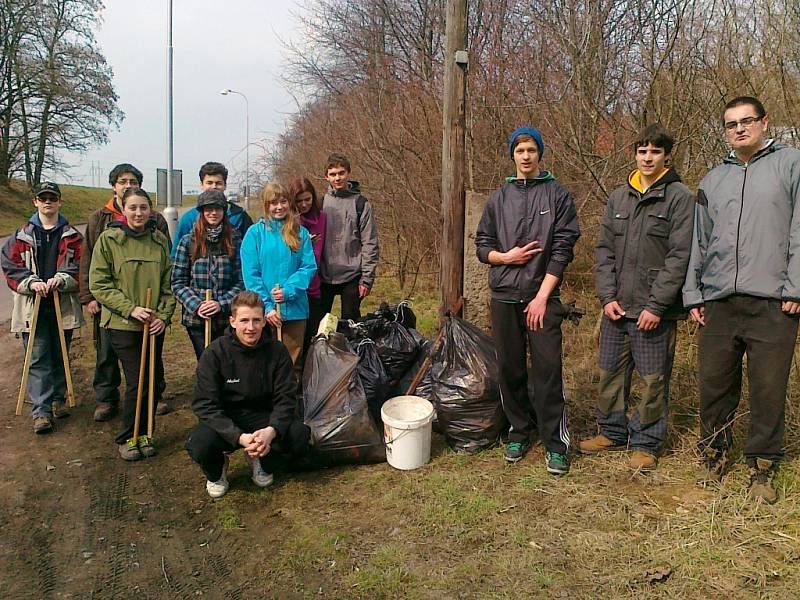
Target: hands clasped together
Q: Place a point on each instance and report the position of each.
(258, 443)
(148, 315)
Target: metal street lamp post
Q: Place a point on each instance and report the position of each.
(225, 92)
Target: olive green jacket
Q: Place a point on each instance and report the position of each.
(124, 264)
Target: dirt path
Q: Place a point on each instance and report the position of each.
(78, 522)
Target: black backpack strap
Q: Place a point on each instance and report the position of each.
(360, 204)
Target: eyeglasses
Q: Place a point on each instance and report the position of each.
(127, 181)
(746, 123)
(44, 199)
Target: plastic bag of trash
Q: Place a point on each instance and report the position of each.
(463, 385)
(335, 406)
(373, 377)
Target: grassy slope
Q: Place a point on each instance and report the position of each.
(79, 202)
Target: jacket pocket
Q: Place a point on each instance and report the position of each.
(620, 222)
(658, 225)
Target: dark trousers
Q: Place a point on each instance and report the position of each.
(315, 313)
(197, 335)
(351, 302)
(756, 327)
(624, 346)
(513, 341)
(107, 378)
(128, 346)
(207, 448)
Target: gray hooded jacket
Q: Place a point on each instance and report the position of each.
(747, 229)
(351, 244)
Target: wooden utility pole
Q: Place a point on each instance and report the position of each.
(453, 153)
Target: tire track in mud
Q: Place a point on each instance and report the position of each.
(106, 521)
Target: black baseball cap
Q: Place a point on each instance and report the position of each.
(48, 187)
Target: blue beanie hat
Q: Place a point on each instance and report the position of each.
(532, 132)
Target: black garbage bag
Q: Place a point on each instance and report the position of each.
(335, 406)
(373, 377)
(397, 349)
(463, 385)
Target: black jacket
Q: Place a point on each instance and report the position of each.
(234, 381)
(643, 248)
(521, 211)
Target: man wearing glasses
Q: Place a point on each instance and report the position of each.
(106, 375)
(743, 288)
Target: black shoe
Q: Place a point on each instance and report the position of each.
(515, 451)
(105, 411)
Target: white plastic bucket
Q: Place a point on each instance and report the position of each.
(407, 431)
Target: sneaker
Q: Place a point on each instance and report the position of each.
(600, 443)
(516, 450)
(60, 410)
(557, 464)
(260, 477)
(162, 408)
(129, 450)
(146, 446)
(42, 424)
(712, 467)
(105, 411)
(217, 489)
(761, 485)
(642, 461)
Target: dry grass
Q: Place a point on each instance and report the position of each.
(474, 527)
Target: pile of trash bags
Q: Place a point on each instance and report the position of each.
(349, 374)
(463, 386)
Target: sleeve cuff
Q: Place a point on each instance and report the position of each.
(483, 254)
(693, 299)
(556, 268)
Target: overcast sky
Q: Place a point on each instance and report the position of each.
(217, 44)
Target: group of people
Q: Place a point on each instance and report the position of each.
(729, 257)
(236, 276)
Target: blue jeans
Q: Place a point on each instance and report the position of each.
(47, 381)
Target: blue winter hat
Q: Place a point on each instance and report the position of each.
(531, 131)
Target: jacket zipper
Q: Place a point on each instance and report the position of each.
(738, 230)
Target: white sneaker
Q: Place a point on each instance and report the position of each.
(217, 489)
(260, 477)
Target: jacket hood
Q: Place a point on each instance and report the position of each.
(36, 221)
(667, 176)
(353, 187)
(772, 146)
(542, 176)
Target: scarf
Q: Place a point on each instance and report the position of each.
(213, 233)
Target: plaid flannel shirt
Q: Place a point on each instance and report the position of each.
(218, 272)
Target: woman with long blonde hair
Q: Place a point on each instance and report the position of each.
(278, 264)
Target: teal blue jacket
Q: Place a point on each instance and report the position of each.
(267, 260)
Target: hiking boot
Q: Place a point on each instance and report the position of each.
(217, 489)
(105, 411)
(642, 461)
(761, 485)
(712, 467)
(42, 424)
(557, 464)
(129, 450)
(516, 450)
(260, 477)
(599, 443)
(146, 446)
(162, 408)
(60, 410)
